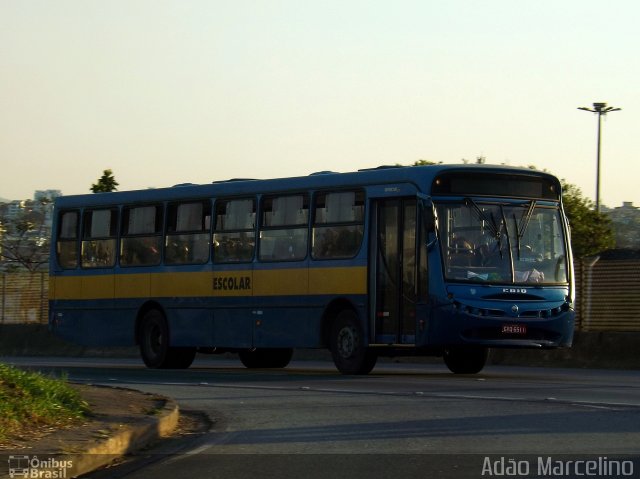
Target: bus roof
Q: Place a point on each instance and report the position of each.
(421, 176)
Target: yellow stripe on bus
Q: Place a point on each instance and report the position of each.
(98, 287)
(180, 285)
(273, 282)
(133, 285)
(66, 287)
(278, 282)
(338, 280)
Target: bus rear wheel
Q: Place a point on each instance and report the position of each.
(181, 358)
(465, 360)
(347, 343)
(154, 344)
(266, 358)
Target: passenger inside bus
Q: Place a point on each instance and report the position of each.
(462, 253)
(489, 262)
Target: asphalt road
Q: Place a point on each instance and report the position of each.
(411, 420)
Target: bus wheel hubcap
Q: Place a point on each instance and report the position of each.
(155, 340)
(347, 342)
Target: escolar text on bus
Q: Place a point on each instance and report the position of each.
(229, 283)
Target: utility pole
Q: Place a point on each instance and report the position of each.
(600, 109)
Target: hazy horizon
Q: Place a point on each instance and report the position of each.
(166, 92)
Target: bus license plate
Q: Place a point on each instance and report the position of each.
(514, 329)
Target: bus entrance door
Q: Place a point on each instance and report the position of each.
(394, 275)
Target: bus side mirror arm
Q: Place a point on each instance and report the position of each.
(432, 238)
(429, 220)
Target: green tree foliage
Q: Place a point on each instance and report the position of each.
(106, 183)
(591, 232)
(420, 163)
(424, 163)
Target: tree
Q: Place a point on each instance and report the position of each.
(106, 184)
(24, 240)
(480, 160)
(424, 163)
(420, 163)
(591, 232)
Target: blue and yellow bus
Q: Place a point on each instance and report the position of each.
(444, 260)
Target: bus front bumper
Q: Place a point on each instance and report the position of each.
(547, 328)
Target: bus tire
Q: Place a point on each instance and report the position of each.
(154, 344)
(465, 360)
(180, 358)
(154, 339)
(266, 358)
(348, 345)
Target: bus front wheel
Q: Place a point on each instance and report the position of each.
(465, 360)
(348, 345)
(154, 344)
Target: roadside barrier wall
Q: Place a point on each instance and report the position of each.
(607, 319)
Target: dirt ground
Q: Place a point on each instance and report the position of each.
(112, 409)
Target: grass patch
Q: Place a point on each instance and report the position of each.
(29, 401)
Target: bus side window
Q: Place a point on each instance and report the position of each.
(338, 226)
(141, 235)
(187, 240)
(284, 228)
(67, 241)
(99, 236)
(234, 237)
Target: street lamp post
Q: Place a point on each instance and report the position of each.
(600, 109)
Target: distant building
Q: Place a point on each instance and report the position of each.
(13, 209)
(43, 203)
(39, 212)
(626, 225)
(49, 195)
(625, 213)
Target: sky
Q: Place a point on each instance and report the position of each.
(176, 91)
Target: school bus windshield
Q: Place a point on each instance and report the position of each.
(519, 243)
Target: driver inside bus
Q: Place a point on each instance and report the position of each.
(491, 256)
(462, 252)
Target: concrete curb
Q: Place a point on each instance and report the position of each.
(130, 438)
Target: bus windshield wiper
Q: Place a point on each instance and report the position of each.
(498, 234)
(524, 223)
(506, 229)
(491, 222)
